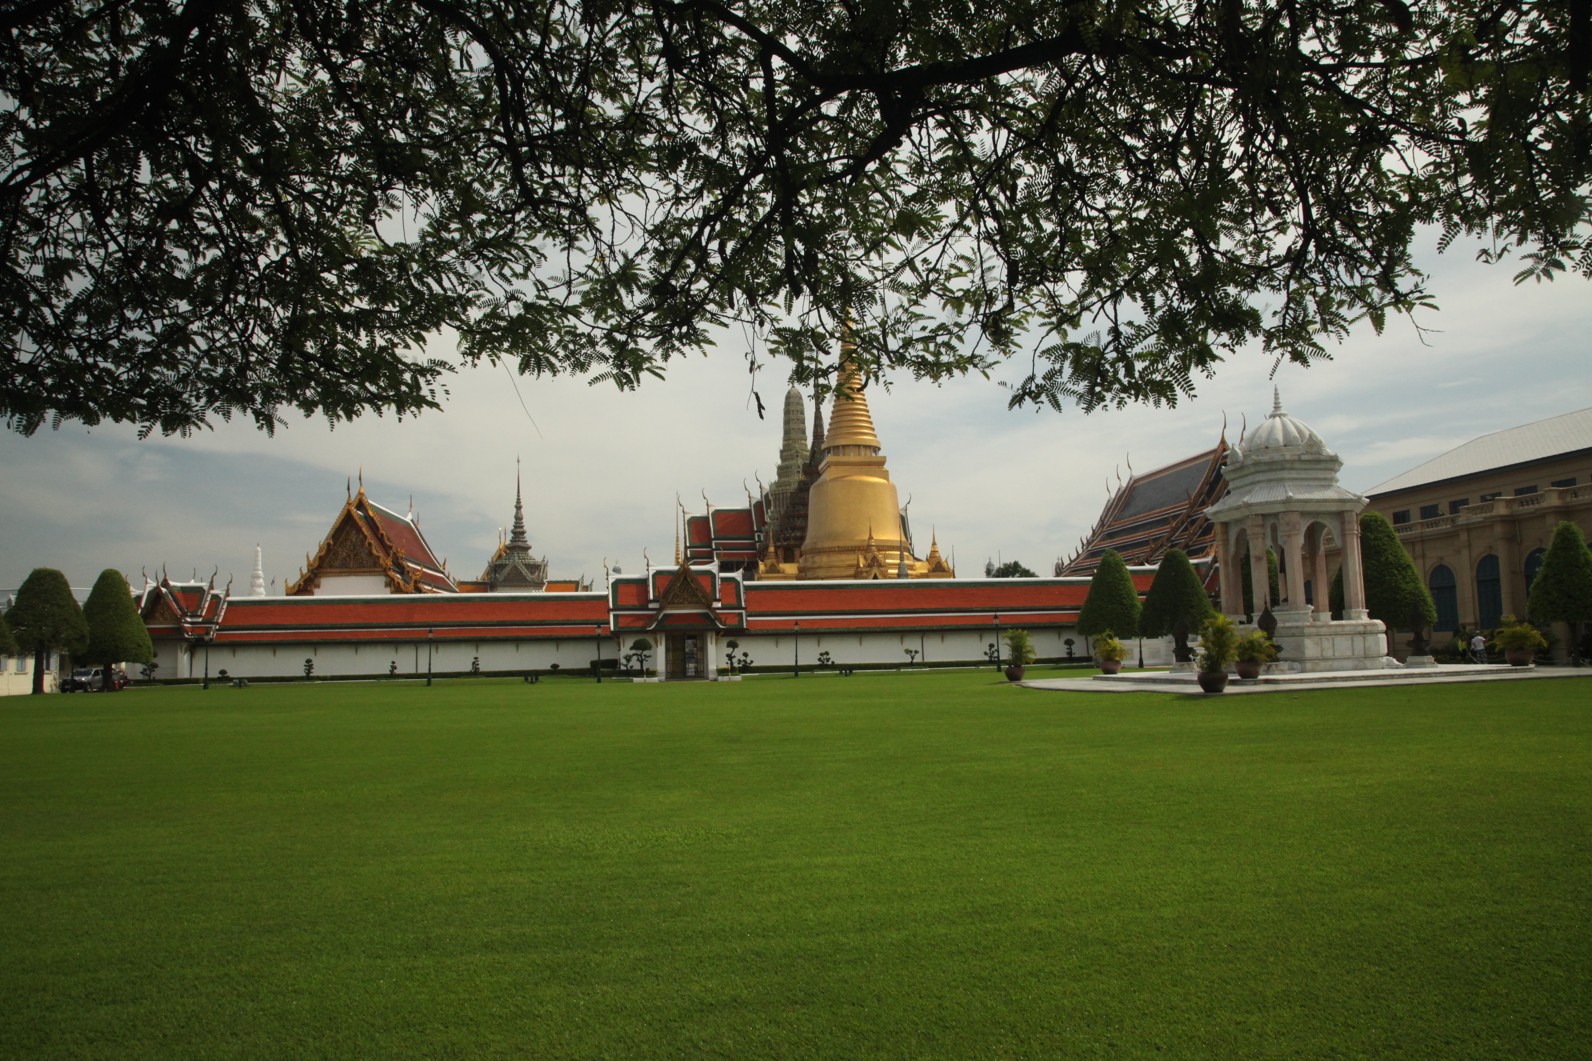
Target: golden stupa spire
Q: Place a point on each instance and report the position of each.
(851, 430)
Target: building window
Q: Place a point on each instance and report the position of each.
(1533, 565)
(1489, 592)
(1445, 594)
(1562, 483)
(1522, 491)
(1455, 506)
(1431, 511)
(1401, 516)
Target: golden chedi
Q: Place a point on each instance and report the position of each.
(854, 527)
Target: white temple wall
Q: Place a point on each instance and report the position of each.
(181, 660)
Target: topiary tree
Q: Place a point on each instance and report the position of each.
(1562, 590)
(1113, 602)
(8, 642)
(1177, 603)
(116, 633)
(1394, 592)
(46, 618)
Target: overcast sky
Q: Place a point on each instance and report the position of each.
(601, 469)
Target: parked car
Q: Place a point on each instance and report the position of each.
(88, 680)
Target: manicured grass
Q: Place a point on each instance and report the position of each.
(931, 864)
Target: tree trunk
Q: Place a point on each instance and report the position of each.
(40, 657)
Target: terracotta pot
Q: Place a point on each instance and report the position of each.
(1014, 674)
(1212, 681)
(1518, 657)
(1110, 666)
(1248, 669)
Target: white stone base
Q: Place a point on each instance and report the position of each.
(1317, 646)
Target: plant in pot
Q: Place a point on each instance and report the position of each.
(1253, 651)
(1218, 646)
(1110, 652)
(1019, 653)
(1519, 641)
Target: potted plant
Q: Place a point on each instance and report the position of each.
(1218, 645)
(1251, 652)
(1019, 653)
(1110, 652)
(1519, 641)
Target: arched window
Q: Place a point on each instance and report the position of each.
(1533, 565)
(1489, 592)
(1445, 594)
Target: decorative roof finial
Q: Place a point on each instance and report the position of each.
(1276, 401)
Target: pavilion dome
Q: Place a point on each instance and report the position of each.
(1279, 435)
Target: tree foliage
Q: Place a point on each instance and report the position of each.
(1010, 569)
(1393, 588)
(1562, 590)
(8, 642)
(1113, 601)
(45, 618)
(1175, 594)
(240, 209)
(116, 632)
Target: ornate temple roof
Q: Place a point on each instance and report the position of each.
(1156, 511)
(513, 566)
(367, 538)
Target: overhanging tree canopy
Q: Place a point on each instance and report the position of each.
(243, 208)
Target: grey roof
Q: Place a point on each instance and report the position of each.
(1552, 437)
(1170, 485)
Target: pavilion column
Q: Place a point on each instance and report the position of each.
(1353, 573)
(1319, 578)
(1259, 580)
(1293, 558)
(1226, 570)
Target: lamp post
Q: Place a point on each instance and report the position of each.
(599, 631)
(997, 640)
(429, 635)
(796, 659)
(208, 638)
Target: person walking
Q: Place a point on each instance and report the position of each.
(1478, 648)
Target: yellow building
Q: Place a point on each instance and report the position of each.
(1478, 519)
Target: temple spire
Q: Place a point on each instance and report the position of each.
(850, 423)
(517, 535)
(257, 577)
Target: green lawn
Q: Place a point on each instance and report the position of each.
(932, 864)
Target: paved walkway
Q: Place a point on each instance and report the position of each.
(1184, 682)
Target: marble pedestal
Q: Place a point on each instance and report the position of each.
(1312, 644)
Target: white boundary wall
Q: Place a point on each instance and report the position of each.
(181, 660)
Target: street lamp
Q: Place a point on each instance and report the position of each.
(429, 634)
(208, 638)
(997, 640)
(599, 630)
(796, 660)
